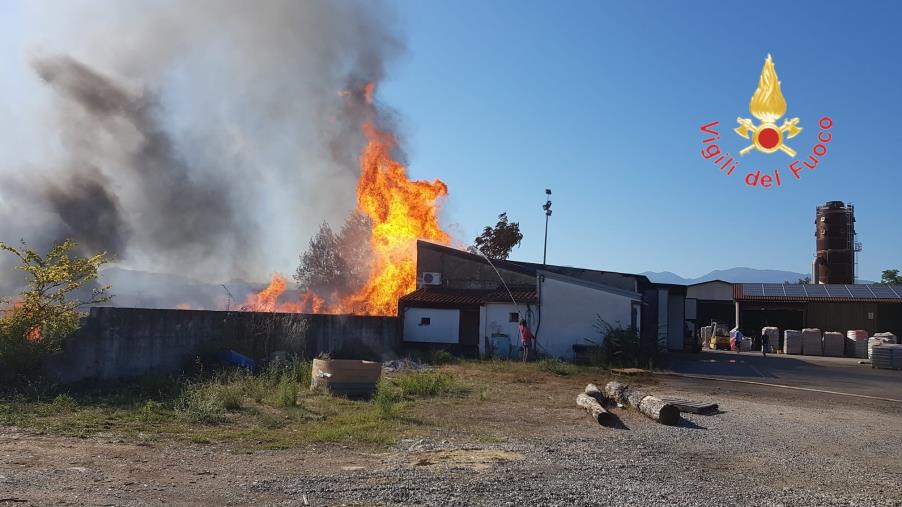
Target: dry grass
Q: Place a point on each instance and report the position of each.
(484, 400)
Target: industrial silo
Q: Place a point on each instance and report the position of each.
(836, 245)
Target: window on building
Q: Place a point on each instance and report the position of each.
(425, 321)
(514, 317)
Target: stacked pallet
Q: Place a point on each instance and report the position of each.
(880, 339)
(834, 344)
(812, 342)
(792, 342)
(857, 343)
(773, 337)
(887, 356)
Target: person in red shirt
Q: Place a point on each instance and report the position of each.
(526, 339)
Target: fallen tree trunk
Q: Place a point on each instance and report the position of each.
(592, 407)
(593, 391)
(651, 406)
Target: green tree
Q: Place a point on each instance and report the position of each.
(497, 242)
(47, 311)
(891, 276)
(336, 263)
(804, 281)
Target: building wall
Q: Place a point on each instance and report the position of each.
(675, 318)
(464, 273)
(128, 342)
(569, 311)
(495, 324)
(443, 327)
(713, 291)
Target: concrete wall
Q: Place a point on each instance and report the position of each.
(126, 342)
(443, 327)
(569, 311)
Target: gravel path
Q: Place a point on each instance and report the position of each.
(750, 454)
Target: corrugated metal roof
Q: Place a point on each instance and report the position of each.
(468, 296)
(838, 293)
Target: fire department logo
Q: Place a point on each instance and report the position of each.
(768, 105)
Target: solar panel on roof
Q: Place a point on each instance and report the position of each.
(883, 292)
(772, 289)
(794, 290)
(752, 289)
(817, 291)
(897, 290)
(860, 291)
(837, 291)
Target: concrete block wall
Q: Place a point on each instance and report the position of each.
(117, 343)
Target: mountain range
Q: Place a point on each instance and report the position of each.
(735, 275)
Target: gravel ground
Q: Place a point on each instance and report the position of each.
(764, 448)
(751, 454)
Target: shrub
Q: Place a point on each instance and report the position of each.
(428, 384)
(201, 403)
(621, 347)
(441, 356)
(386, 399)
(63, 403)
(557, 367)
(286, 394)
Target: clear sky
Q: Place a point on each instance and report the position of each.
(602, 102)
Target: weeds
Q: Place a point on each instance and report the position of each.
(557, 367)
(429, 384)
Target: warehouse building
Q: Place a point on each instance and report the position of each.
(829, 307)
(561, 304)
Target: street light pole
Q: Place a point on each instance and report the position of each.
(547, 208)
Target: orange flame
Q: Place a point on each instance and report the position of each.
(402, 211)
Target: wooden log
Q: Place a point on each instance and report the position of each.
(592, 407)
(649, 405)
(593, 391)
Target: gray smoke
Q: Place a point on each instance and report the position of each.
(206, 138)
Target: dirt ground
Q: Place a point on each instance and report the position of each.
(520, 441)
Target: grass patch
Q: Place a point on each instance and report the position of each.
(556, 367)
(429, 384)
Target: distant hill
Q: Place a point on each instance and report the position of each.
(736, 275)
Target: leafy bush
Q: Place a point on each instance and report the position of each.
(204, 403)
(63, 403)
(621, 347)
(386, 399)
(429, 384)
(38, 321)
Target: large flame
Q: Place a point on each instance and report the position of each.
(402, 211)
(767, 103)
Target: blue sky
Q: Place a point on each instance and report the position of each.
(602, 103)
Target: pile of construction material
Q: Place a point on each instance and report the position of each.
(878, 340)
(857, 343)
(812, 342)
(887, 356)
(792, 341)
(773, 338)
(834, 344)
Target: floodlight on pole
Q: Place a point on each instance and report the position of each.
(547, 208)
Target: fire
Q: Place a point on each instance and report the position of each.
(767, 102)
(402, 211)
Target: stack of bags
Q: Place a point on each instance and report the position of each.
(812, 342)
(857, 343)
(888, 356)
(792, 342)
(879, 339)
(773, 335)
(834, 344)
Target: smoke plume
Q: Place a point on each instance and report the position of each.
(207, 138)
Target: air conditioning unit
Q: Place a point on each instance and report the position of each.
(431, 278)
